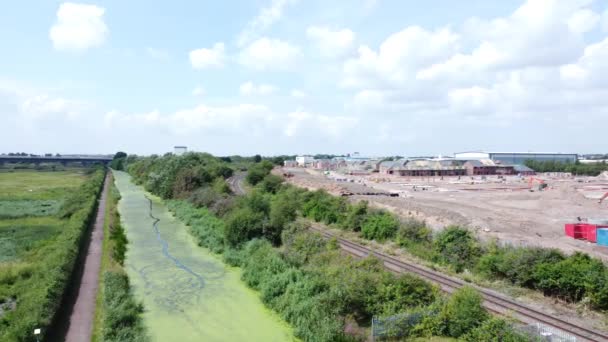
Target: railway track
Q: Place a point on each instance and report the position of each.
(236, 184)
(492, 301)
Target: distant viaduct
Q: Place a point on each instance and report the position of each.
(105, 160)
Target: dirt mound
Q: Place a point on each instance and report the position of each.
(603, 175)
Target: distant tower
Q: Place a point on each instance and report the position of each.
(179, 150)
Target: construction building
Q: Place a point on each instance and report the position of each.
(305, 161)
(517, 158)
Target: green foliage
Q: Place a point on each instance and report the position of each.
(206, 228)
(456, 247)
(379, 226)
(123, 321)
(258, 172)
(574, 168)
(38, 282)
(271, 183)
(242, 225)
(322, 207)
(415, 231)
(24, 208)
(117, 232)
(462, 312)
(355, 217)
(495, 330)
(176, 176)
(574, 278)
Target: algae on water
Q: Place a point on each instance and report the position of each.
(188, 293)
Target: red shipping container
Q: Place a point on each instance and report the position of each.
(590, 232)
(575, 230)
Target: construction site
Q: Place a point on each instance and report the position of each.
(521, 210)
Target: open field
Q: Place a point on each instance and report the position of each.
(505, 210)
(39, 242)
(33, 185)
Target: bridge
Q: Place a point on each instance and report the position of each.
(84, 160)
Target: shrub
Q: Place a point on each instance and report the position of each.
(242, 225)
(379, 226)
(456, 247)
(462, 312)
(122, 321)
(414, 230)
(355, 217)
(495, 330)
(271, 183)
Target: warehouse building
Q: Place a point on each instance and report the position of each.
(517, 158)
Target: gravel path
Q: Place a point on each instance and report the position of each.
(80, 327)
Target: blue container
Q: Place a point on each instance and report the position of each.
(602, 237)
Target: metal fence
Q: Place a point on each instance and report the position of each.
(397, 325)
(542, 332)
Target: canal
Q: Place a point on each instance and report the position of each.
(189, 294)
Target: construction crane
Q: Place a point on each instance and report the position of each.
(603, 198)
(541, 186)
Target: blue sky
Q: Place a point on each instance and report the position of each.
(304, 76)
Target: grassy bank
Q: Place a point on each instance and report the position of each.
(117, 313)
(39, 249)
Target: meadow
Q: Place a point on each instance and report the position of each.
(43, 217)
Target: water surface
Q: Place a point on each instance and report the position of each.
(188, 293)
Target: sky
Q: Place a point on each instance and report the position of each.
(380, 77)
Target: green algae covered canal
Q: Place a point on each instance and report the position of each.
(189, 294)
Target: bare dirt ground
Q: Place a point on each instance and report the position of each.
(501, 209)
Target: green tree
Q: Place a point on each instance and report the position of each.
(463, 312)
(380, 226)
(242, 225)
(456, 247)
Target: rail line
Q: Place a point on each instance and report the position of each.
(493, 302)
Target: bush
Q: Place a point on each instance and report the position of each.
(355, 217)
(456, 247)
(495, 330)
(415, 231)
(122, 321)
(462, 312)
(379, 226)
(258, 172)
(242, 225)
(271, 183)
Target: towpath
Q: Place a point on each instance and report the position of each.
(80, 326)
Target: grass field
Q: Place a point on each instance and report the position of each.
(37, 245)
(34, 185)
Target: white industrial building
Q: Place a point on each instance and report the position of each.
(517, 158)
(304, 160)
(179, 150)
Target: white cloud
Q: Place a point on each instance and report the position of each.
(267, 16)
(298, 93)
(208, 58)
(302, 123)
(249, 89)
(78, 27)
(399, 56)
(605, 21)
(266, 54)
(198, 91)
(583, 20)
(329, 42)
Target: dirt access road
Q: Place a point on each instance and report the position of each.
(495, 209)
(80, 326)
